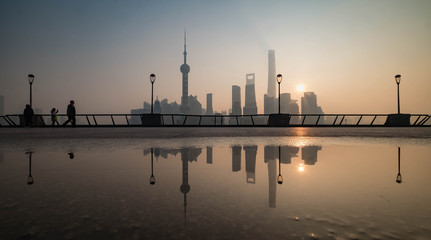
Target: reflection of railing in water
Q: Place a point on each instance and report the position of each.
(179, 120)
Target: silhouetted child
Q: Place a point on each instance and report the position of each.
(54, 116)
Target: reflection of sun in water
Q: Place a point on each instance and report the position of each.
(301, 167)
(300, 88)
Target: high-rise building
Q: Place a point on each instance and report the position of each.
(236, 158)
(250, 163)
(157, 107)
(209, 104)
(287, 104)
(271, 74)
(1, 105)
(269, 104)
(195, 107)
(309, 104)
(270, 96)
(185, 69)
(236, 100)
(250, 106)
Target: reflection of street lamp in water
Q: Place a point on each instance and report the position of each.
(279, 178)
(29, 178)
(399, 178)
(152, 178)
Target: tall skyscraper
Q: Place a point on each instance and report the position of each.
(185, 69)
(271, 74)
(236, 100)
(1, 105)
(250, 106)
(209, 104)
(269, 105)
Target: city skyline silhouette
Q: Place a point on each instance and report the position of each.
(101, 55)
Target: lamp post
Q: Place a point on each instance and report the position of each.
(279, 178)
(152, 80)
(30, 81)
(398, 80)
(279, 79)
(399, 178)
(152, 178)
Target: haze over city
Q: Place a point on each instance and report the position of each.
(101, 53)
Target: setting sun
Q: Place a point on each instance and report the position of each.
(300, 88)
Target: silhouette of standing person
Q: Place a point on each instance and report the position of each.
(54, 116)
(28, 115)
(71, 114)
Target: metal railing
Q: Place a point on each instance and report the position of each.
(181, 120)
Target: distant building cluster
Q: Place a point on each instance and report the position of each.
(191, 106)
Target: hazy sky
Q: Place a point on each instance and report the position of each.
(101, 53)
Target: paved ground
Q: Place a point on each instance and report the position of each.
(14, 133)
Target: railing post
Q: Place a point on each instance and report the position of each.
(88, 120)
(127, 120)
(375, 116)
(112, 118)
(342, 119)
(94, 118)
(359, 120)
(335, 120)
(317, 120)
(417, 120)
(303, 120)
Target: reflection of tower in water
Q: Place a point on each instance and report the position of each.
(209, 155)
(236, 158)
(270, 159)
(250, 163)
(309, 154)
(187, 154)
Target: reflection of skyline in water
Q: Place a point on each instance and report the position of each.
(204, 185)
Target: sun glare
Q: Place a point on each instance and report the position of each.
(301, 167)
(300, 88)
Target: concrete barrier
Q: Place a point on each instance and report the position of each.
(398, 120)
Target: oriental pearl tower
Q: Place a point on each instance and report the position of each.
(185, 69)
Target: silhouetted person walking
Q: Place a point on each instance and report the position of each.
(54, 116)
(71, 114)
(28, 115)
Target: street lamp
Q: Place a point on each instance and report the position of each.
(30, 81)
(152, 80)
(398, 80)
(279, 79)
(152, 178)
(279, 178)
